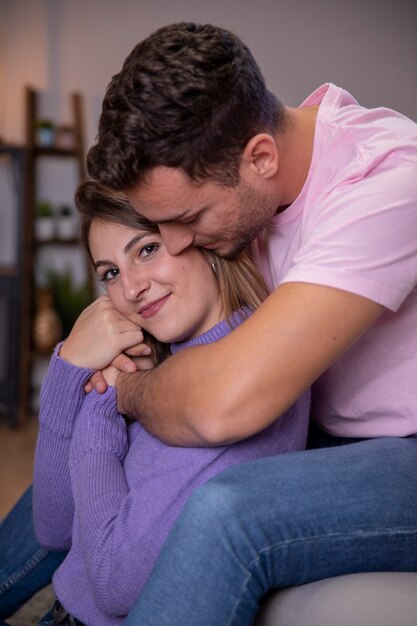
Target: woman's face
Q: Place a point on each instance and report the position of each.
(172, 297)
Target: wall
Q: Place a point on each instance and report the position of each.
(368, 46)
(57, 46)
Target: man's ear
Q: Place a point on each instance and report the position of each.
(260, 156)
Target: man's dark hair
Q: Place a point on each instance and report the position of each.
(189, 96)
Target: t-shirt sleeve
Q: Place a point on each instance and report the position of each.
(361, 236)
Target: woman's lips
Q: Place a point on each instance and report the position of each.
(150, 309)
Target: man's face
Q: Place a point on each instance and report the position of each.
(206, 215)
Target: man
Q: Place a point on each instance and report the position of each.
(326, 194)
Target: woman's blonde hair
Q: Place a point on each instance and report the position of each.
(241, 286)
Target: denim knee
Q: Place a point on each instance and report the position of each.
(214, 503)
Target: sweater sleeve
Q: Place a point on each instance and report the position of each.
(99, 485)
(61, 398)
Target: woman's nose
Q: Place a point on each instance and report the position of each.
(134, 285)
(177, 237)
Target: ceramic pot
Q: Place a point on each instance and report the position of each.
(47, 327)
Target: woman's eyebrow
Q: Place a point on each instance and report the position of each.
(126, 249)
(98, 264)
(133, 241)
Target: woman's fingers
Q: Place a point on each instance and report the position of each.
(140, 349)
(111, 374)
(96, 382)
(124, 363)
(144, 362)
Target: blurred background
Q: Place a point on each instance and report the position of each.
(56, 59)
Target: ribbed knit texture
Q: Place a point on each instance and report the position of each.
(219, 331)
(125, 486)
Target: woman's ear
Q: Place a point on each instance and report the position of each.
(260, 156)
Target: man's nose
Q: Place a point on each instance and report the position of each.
(176, 237)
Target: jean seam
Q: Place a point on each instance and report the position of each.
(289, 542)
(23, 571)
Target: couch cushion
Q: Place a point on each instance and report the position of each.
(380, 599)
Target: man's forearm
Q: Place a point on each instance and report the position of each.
(156, 398)
(189, 400)
(233, 388)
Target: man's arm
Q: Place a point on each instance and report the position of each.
(229, 390)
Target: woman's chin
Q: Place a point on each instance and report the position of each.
(170, 337)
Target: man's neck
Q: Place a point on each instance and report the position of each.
(295, 147)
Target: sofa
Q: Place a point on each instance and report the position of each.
(368, 599)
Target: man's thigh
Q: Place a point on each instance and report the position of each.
(284, 521)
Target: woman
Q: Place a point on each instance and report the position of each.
(106, 490)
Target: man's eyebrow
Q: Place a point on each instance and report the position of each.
(171, 220)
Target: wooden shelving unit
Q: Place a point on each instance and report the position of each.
(31, 246)
(11, 288)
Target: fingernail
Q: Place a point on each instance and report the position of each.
(146, 351)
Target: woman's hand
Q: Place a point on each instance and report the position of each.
(100, 335)
(108, 376)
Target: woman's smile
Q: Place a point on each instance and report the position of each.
(150, 309)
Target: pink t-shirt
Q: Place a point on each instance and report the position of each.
(354, 227)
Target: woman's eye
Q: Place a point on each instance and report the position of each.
(109, 274)
(148, 250)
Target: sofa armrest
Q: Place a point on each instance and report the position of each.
(369, 599)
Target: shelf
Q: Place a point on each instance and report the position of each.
(54, 151)
(11, 293)
(6, 148)
(32, 246)
(8, 271)
(55, 241)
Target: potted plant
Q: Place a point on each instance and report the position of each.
(44, 220)
(66, 224)
(69, 299)
(45, 132)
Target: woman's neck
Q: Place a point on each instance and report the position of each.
(220, 330)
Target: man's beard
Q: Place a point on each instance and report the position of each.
(254, 216)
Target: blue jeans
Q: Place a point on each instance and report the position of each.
(47, 620)
(281, 521)
(25, 567)
(274, 522)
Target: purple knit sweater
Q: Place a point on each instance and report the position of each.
(110, 493)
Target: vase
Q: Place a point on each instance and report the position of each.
(45, 136)
(44, 228)
(66, 227)
(47, 326)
